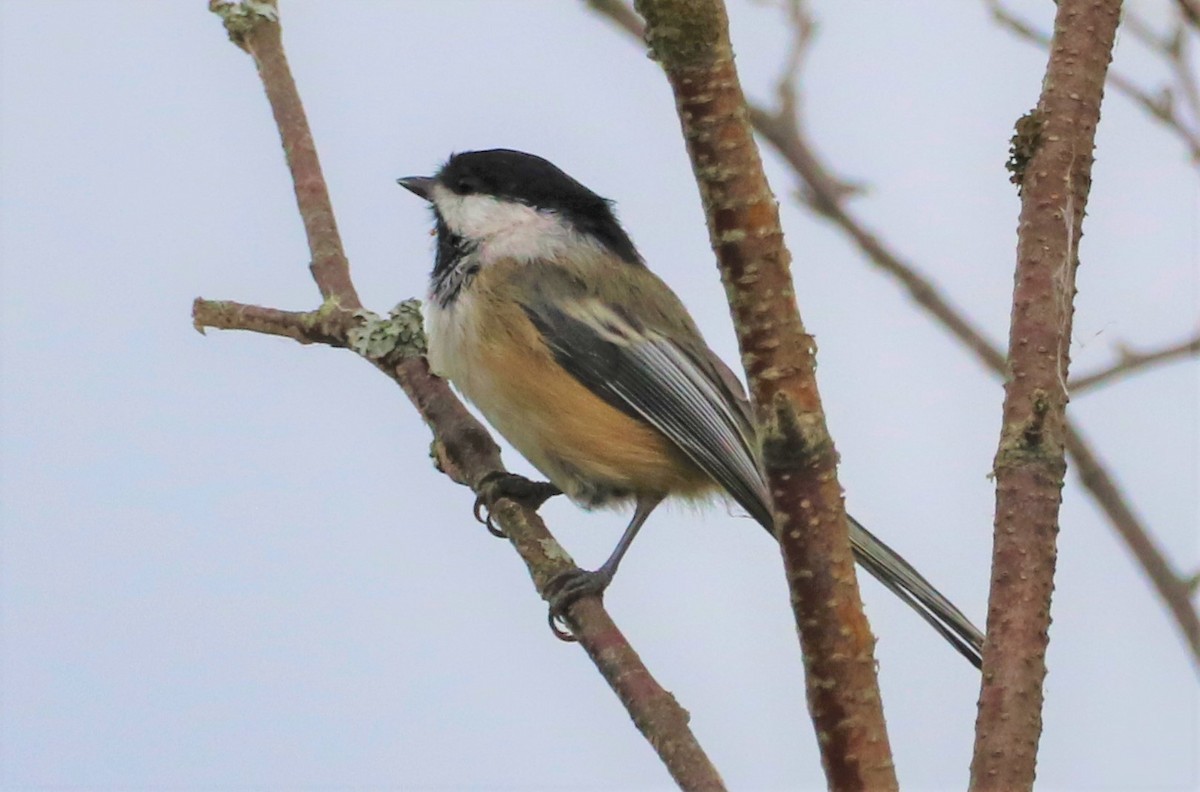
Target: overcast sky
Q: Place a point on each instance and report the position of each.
(226, 560)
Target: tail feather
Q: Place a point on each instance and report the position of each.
(890, 569)
(899, 577)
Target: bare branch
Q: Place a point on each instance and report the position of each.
(788, 114)
(622, 15)
(1130, 361)
(827, 199)
(465, 450)
(1185, 73)
(1173, 588)
(1172, 49)
(467, 454)
(1160, 106)
(1054, 176)
(322, 326)
(1097, 481)
(1190, 10)
(690, 40)
(787, 137)
(254, 27)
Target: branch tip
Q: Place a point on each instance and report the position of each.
(1130, 360)
(243, 16)
(1192, 584)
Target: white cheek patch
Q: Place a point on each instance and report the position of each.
(504, 229)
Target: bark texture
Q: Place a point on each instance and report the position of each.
(690, 39)
(1052, 165)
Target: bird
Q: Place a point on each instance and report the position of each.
(542, 313)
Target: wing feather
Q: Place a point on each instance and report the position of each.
(685, 392)
(644, 373)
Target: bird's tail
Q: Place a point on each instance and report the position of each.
(711, 423)
(890, 569)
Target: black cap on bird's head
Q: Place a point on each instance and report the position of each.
(517, 177)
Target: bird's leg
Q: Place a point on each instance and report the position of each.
(565, 589)
(502, 484)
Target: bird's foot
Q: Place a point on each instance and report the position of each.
(567, 588)
(501, 484)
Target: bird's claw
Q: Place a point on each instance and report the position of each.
(478, 510)
(501, 484)
(567, 588)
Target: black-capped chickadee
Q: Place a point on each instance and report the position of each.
(542, 313)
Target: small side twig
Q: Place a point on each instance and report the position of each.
(327, 326)
(465, 451)
(1190, 10)
(1131, 361)
(1174, 589)
(1191, 583)
(1172, 49)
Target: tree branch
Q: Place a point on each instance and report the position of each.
(821, 192)
(1092, 472)
(690, 40)
(1130, 361)
(323, 326)
(1160, 106)
(254, 26)
(1052, 167)
(464, 449)
(1175, 589)
(1190, 10)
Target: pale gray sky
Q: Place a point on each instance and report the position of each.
(226, 561)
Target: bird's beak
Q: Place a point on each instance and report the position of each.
(418, 185)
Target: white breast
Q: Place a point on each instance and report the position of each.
(450, 331)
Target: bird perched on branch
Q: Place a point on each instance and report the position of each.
(543, 314)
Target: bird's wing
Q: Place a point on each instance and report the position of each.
(688, 394)
(646, 374)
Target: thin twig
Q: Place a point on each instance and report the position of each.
(787, 94)
(1172, 587)
(465, 450)
(1130, 361)
(1185, 72)
(690, 40)
(1172, 49)
(1190, 9)
(327, 327)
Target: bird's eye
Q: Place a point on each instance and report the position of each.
(465, 185)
